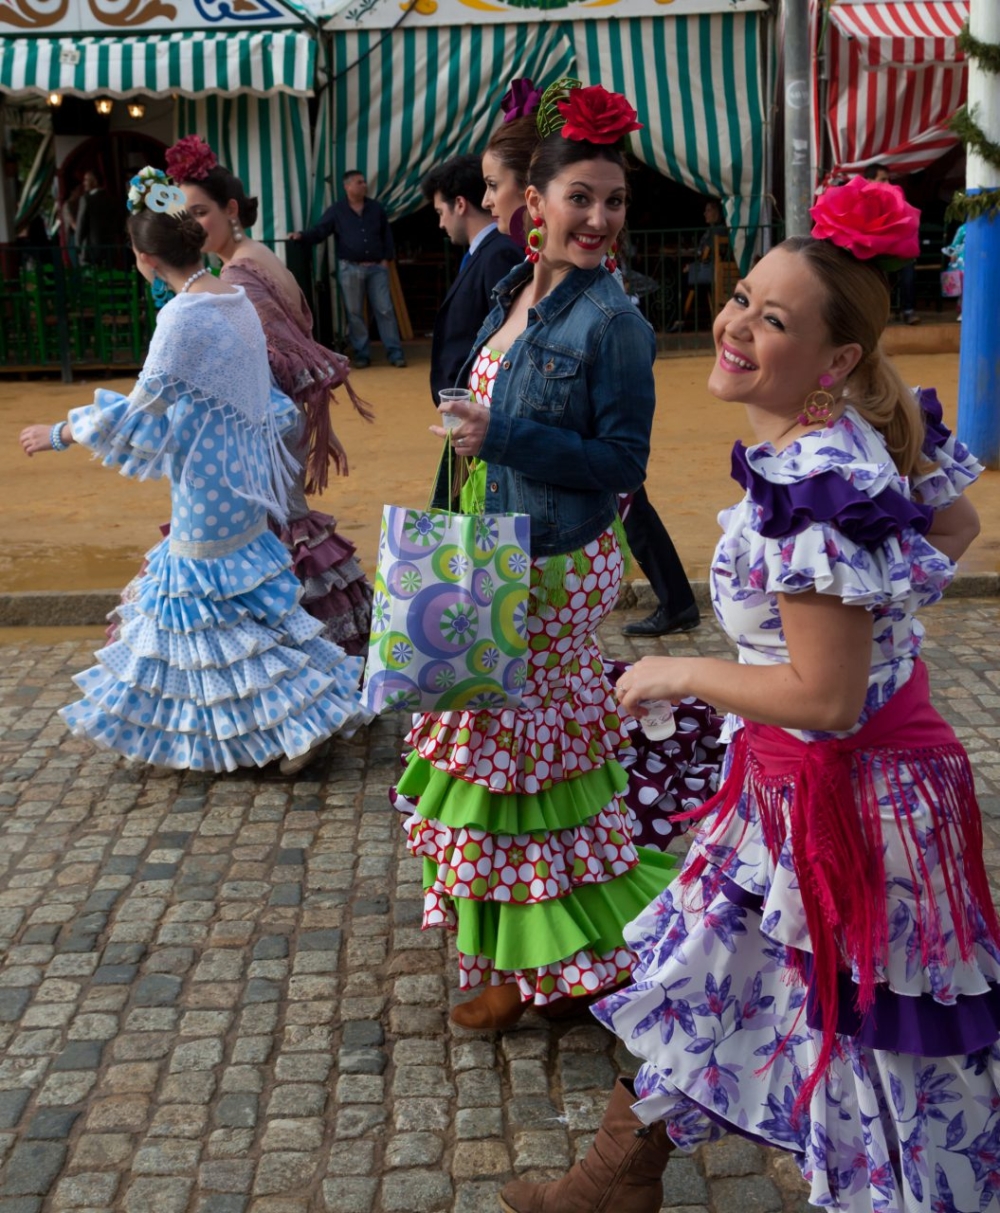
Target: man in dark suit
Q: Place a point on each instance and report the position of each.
(100, 225)
(454, 189)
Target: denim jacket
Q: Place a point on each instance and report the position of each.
(572, 408)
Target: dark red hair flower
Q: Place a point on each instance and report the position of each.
(190, 159)
(868, 218)
(597, 116)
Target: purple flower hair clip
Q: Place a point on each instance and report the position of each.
(521, 101)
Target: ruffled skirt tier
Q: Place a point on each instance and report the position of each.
(334, 587)
(667, 778)
(518, 813)
(907, 1118)
(215, 666)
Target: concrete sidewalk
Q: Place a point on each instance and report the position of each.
(215, 996)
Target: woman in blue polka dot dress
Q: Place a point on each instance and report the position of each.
(215, 665)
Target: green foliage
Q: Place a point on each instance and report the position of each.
(963, 206)
(24, 142)
(985, 53)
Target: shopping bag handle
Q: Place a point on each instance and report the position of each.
(446, 454)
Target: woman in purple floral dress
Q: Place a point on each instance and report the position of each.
(824, 974)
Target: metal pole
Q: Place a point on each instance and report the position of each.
(979, 359)
(798, 175)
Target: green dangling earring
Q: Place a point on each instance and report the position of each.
(536, 241)
(162, 294)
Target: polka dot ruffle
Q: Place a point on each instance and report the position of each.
(575, 977)
(520, 869)
(567, 722)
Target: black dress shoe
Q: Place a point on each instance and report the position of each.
(661, 622)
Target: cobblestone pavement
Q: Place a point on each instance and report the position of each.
(215, 995)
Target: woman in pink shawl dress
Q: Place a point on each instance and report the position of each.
(335, 588)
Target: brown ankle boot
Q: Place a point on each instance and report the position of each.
(495, 1010)
(623, 1169)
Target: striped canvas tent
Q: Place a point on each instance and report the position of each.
(267, 143)
(245, 90)
(896, 77)
(404, 102)
(698, 84)
(191, 63)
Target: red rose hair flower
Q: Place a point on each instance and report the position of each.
(190, 159)
(597, 116)
(868, 218)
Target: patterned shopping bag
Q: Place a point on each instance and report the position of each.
(952, 283)
(449, 617)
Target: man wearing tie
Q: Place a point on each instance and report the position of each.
(454, 189)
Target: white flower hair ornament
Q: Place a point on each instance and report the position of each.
(151, 189)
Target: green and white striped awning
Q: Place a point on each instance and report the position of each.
(265, 141)
(405, 100)
(698, 85)
(256, 62)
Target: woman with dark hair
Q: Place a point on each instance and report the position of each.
(334, 587)
(665, 777)
(214, 665)
(517, 813)
(823, 975)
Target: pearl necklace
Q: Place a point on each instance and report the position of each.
(194, 278)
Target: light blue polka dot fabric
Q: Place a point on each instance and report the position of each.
(215, 665)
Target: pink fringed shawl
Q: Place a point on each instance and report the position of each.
(824, 792)
(303, 369)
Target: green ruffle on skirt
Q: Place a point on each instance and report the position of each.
(592, 917)
(458, 804)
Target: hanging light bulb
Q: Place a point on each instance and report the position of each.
(104, 105)
(55, 100)
(136, 109)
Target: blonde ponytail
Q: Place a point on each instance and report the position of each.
(877, 391)
(856, 309)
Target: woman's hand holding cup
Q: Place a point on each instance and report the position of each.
(463, 420)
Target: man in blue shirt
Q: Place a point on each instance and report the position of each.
(455, 190)
(364, 250)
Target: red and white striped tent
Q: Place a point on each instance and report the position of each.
(895, 76)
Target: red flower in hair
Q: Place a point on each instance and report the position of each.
(869, 219)
(597, 116)
(190, 159)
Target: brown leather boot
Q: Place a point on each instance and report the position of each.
(495, 1010)
(623, 1169)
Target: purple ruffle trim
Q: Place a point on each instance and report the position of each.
(787, 509)
(937, 432)
(917, 1025)
(899, 1023)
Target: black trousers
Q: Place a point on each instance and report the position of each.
(656, 555)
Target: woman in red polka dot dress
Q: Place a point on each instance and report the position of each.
(518, 813)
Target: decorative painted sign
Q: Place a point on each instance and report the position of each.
(51, 17)
(381, 14)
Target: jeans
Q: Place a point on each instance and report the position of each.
(356, 282)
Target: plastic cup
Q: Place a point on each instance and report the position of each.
(658, 724)
(453, 395)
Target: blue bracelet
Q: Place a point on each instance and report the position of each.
(55, 437)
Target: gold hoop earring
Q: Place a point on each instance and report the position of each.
(819, 404)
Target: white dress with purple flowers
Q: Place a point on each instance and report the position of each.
(906, 1118)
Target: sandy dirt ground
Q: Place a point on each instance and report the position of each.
(69, 524)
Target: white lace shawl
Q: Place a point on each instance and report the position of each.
(209, 350)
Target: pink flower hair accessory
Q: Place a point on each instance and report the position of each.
(870, 219)
(190, 159)
(521, 100)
